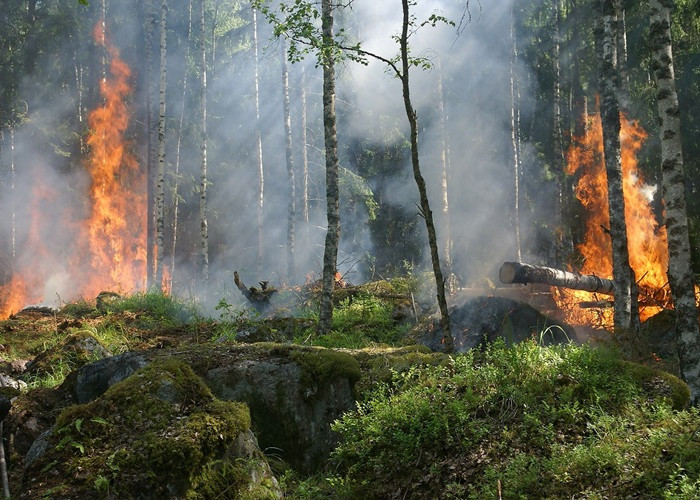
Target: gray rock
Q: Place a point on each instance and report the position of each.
(93, 379)
(289, 415)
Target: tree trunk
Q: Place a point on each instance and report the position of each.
(679, 264)
(258, 143)
(176, 173)
(160, 174)
(330, 254)
(514, 138)
(518, 272)
(203, 181)
(420, 182)
(291, 202)
(304, 160)
(447, 240)
(624, 90)
(626, 312)
(558, 161)
(151, 145)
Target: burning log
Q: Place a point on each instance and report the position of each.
(518, 272)
(259, 297)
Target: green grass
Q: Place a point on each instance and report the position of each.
(156, 307)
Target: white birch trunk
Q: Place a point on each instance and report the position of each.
(258, 143)
(679, 264)
(626, 312)
(203, 181)
(514, 139)
(160, 173)
(291, 201)
(176, 173)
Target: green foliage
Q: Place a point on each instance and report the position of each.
(361, 321)
(545, 422)
(155, 308)
(79, 309)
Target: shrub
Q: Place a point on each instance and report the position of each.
(528, 420)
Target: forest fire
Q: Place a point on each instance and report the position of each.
(107, 232)
(646, 238)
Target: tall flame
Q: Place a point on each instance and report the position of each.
(648, 251)
(117, 222)
(108, 251)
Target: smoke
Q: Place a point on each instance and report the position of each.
(473, 65)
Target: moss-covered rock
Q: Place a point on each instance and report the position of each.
(158, 434)
(294, 394)
(378, 365)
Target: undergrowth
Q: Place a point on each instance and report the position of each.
(520, 422)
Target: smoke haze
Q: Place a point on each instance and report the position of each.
(51, 185)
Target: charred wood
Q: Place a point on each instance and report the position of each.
(518, 272)
(258, 297)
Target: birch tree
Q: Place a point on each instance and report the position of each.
(679, 263)
(260, 205)
(514, 131)
(203, 181)
(626, 312)
(291, 202)
(178, 151)
(151, 142)
(160, 173)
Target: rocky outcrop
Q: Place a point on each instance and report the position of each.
(160, 433)
(294, 393)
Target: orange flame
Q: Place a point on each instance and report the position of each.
(647, 246)
(117, 222)
(109, 251)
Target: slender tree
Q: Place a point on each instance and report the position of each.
(291, 202)
(514, 131)
(418, 176)
(680, 274)
(557, 140)
(178, 151)
(444, 182)
(160, 173)
(626, 312)
(304, 159)
(203, 181)
(260, 205)
(330, 134)
(151, 142)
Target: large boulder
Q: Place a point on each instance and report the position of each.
(294, 393)
(160, 433)
(484, 319)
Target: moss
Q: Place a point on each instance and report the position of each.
(379, 365)
(660, 384)
(320, 365)
(157, 431)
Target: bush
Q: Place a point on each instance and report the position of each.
(530, 420)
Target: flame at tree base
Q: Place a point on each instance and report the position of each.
(647, 243)
(106, 234)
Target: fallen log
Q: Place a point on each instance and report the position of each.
(518, 272)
